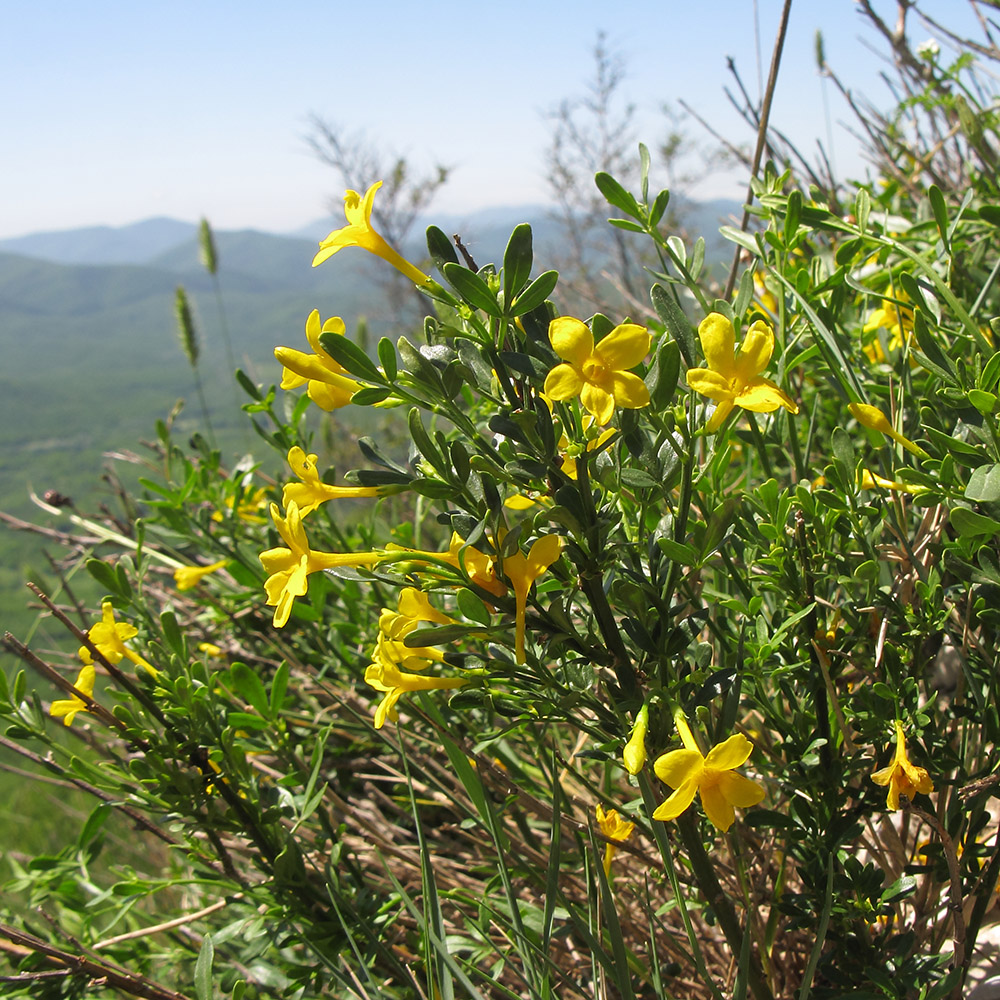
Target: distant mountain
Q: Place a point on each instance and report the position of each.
(137, 243)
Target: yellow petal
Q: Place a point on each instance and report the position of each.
(729, 753)
(755, 351)
(708, 383)
(600, 403)
(624, 347)
(629, 390)
(717, 807)
(740, 790)
(563, 382)
(718, 418)
(678, 767)
(572, 340)
(542, 554)
(678, 802)
(761, 395)
(717, 343)
(883, 776)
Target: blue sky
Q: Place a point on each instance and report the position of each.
(117, 110)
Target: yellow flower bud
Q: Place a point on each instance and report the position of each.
(634, 752)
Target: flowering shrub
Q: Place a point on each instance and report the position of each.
(609, 538)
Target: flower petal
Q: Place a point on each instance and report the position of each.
(563, 382)
(755, 351)
(678, 767)
(708, 383)
(598, 402)
(718, 418)
(729, 753)
(572, 340)
(883, 776)
(629, 390)
(739, 790)
(717, 807)
(762, 396)
(624, 347)
(678, 802)
(717, 337)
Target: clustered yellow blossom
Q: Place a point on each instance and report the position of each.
(711, 777)
(598, 375)
(901, 777)
(396, 668)
(522, 571)
(894, 316)
(329, 385)
(733, 379)
(613, 827)
(359, 233)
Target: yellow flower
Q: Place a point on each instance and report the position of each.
(187, 577)
(330, 387)
(711, 777)
(389, 678)
(68, 707)
(248, 507)
(522, 571)
(896, 317)
(867, 480)
(395, 626)
(634, 752)
(312, 491)
(875, 420)
(614, 828)
(735, 380)
(110, 637)
(359, 233)
(209, 649)
(901, 776)
(476, 565)
(290, 567)
(598, 375)
(764, 295)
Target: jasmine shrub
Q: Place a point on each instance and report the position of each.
(662, 662)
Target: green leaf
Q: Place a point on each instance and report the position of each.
(370, 395)
(990, 214)
(249, 685)
(438, 635)
(940, 211)
(792, 217)
(677, 324)
(517, 260)
(678, 552)
(423, 443)
(279, 684)
(345, 352)
(387, 358)
(968, 523)
(536, 293)
(440, 249)
(985, 402)
(203, 969)
(473, 290)
(661, 379)
(172, 634)
(990, 373)
(931, 356)
(984, 484)
(638, 479)
(658, 207)
(616, 195)
(862, 208)
(900, 889)
(103, 574)
(644, 171)
(740, 238)
(472, 607)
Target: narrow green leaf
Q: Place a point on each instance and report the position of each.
(203, 969)
(616, 195)
(387, 358)
(644, 172)
(473, 290)
(658, 207)
(536, 293)
(103, 574)
(517, 261)
(279, 685)
(661, 379)
(793, 217)
(677, 324)
(940, 210)
(440, 249)
(249, 686)
(740, 238)
(862, 208)
(347, 353)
